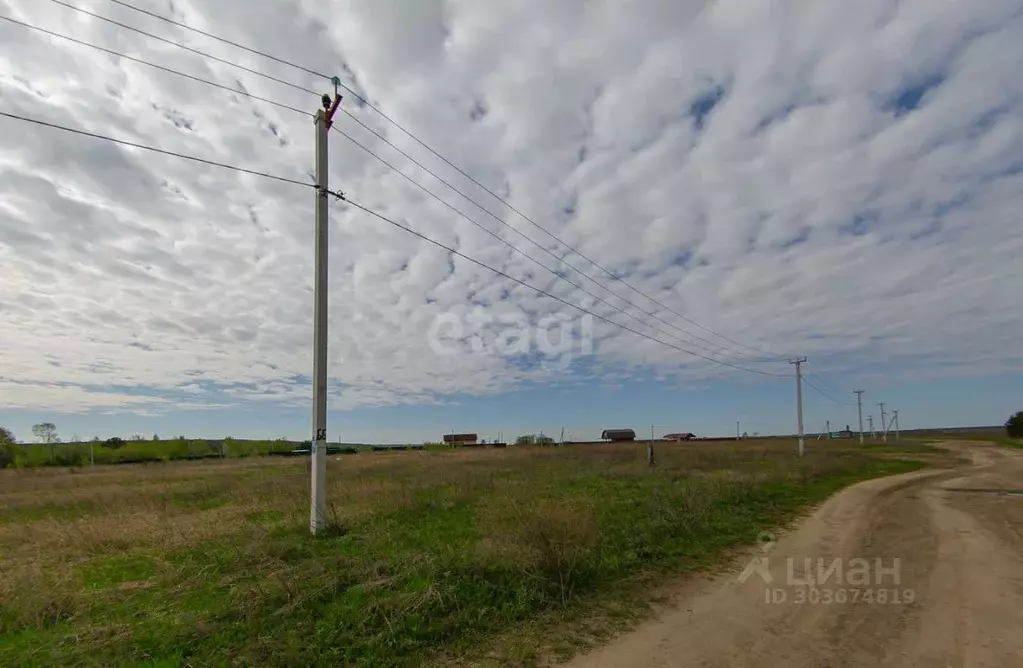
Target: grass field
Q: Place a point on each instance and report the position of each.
(431, 555)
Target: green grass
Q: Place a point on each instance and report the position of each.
(430, 556)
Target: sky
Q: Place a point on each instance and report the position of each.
(688, 193)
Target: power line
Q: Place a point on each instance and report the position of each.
(542, 229)
(534, 260)
(461, 171)
(186, 47)
(221, 39)
(545, 292)
(154, 65)
(827, 385)
(718, 348)
(144, 147)
(527, 238)
(514, 248)
(823, 393)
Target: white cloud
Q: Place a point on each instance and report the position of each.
(746, 164)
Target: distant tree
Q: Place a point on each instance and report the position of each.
(544, 440)
(1014, 425)
(137, 437)
(6, 447)
(526, 439)
(95, 439)
(114, 442)
(156, 438)
(46, 432)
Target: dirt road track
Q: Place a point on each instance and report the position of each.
(958, 539)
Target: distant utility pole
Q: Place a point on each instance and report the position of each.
(318, 507)
(650, 448)
(873, 434)
(884, 425)
(737, 437)
(827, 427)
(799, 398)
(895, 419)
(859, 410)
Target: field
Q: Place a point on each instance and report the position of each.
(474, 555)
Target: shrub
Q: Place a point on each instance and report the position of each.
(1014, 425)
(114, 443)
(7, 451)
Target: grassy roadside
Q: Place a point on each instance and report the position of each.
(433, 556)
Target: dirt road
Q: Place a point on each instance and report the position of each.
(923, 569)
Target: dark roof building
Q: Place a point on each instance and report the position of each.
(618, 435)
(460, 438)
(683, 436)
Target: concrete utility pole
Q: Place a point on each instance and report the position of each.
(859, 410)
(895, 419)
(884, 425)
(799, 399)
(737, 437)
(873, 434)
(318, 455)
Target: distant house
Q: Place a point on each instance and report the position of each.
(682, 436)
(460, 439)
(618, 435)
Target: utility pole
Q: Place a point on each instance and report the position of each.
(859, 410)
(873, 434)
(650, 448)
(884, 425)
(827, 426)
(799, 398)
(896, 420)
(737, 437)
(318, 506)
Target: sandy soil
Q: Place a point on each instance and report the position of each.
(954, 599)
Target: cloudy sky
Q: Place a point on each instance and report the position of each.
(840, 180)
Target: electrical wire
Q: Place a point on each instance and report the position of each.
(220, 39)
(717, 347)
(186, 47)
(545, 292)
(516, 249)
(395, 169)
(144, 147)
(461, 171)
(827, 385)
(392, 222)
(823, 393)
(155, 66)
(427, 191)
(532, 241)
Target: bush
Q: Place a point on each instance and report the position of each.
(533, 439)
(7, 451)
(114, 443)
(1014, 425)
